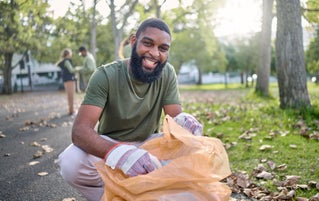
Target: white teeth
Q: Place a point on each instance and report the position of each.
(149, 62)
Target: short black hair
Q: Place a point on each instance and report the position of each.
(155, 23)
(82, 48)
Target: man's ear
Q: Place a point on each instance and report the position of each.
(133, 40)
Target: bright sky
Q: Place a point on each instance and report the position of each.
(61, 6)
(237, 18)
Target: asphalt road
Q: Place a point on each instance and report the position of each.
(34, 129)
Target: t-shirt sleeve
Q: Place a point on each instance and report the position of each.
(172, 95)
(69, 66)
(97, 90)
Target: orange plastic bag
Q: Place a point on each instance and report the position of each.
(197, 164)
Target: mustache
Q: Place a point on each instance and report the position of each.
(137, 71)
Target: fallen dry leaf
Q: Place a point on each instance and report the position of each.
(291, 193)
(303, 186)
(301, 199)
(260, 168)
(47, 148)
(38, 154)
(284, 133)
(265, 147)
(33, 163)
(69, 199)
(314, 135)
(315, 198)
(9, 118)
(26, 128)
(247, 135)
(29, 122)
(282, 167)
(271, 165)
(243, 180)
(42, 174)
(43, 139)
(291, 180)
(285, 195)
(35, 144)
(264, 175)
(312, 184)
(52, 125)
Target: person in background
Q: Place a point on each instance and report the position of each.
(89, 66)
(126, 99)
(68, 77)
(125, 48)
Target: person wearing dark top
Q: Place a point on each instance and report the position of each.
(68, 77)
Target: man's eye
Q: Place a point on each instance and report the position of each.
(148, 44)
(163, 49)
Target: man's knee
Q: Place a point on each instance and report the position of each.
(78, 167)
(70, 163)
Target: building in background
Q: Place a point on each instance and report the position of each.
(28, 74)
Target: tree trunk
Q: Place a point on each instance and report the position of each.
(291, 72)
(263, 71)
(200, 80)
(7, 73)
(118, 32)
(157, 7)
(242, 78)
(93, 31)
(225, 79)
(28, 62)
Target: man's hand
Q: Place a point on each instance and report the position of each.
(131, 160)
(78, 68)
(190, 123)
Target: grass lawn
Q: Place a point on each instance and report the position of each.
(276, 149)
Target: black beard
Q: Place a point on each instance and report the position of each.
(137, 71)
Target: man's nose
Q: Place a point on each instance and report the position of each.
(154, 52)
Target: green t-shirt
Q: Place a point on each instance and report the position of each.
(131, 109)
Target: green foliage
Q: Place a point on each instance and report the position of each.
(241, 55)
(312, 55)
(23, 25)
(230, 53)
(245, 122)
(193, 37)
(105, 53)
(69, 31)
(311, 11)
(72, 31)
(184, 47)
(246, 54)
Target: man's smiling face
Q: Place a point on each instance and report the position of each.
(149, 54)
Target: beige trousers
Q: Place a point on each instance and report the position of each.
(78, 170)
(69, 87)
